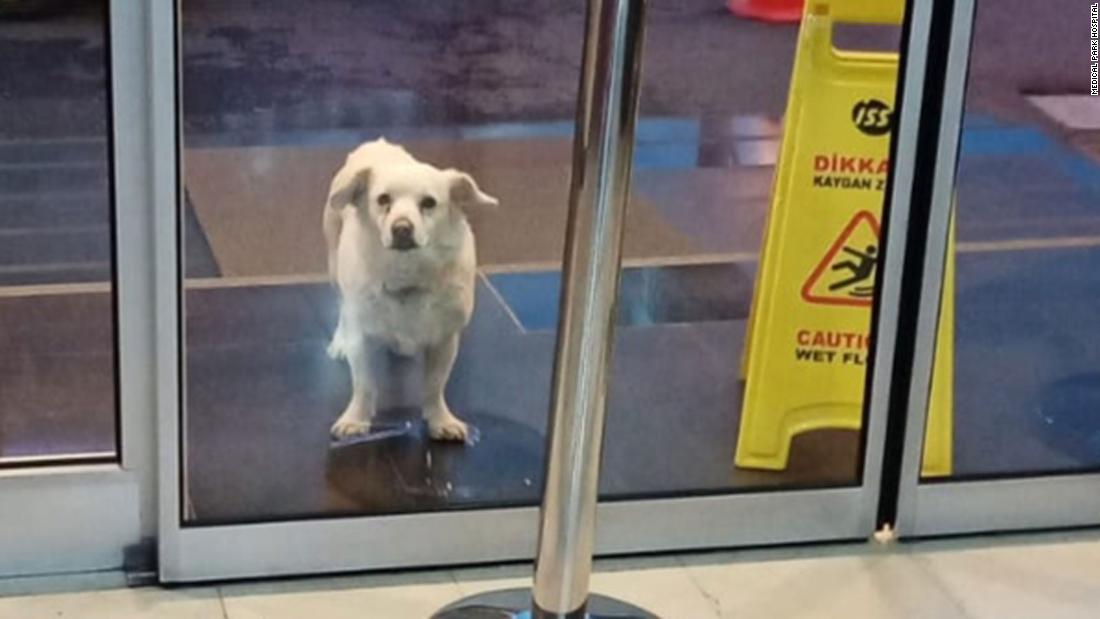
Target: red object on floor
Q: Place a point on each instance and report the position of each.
(783, 11)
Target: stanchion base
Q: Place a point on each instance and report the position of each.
(516, 604)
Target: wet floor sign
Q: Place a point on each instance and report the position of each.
(807, 347)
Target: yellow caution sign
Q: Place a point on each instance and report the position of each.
(808, 339)
(938, 431)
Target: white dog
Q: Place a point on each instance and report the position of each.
(402, 255)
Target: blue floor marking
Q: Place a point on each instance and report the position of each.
(1013, 140)
(518, 130)
(1005, 141)
(533, 297)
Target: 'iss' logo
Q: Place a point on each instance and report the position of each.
(872, 117)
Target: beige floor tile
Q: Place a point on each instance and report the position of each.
(62, 583)
(1048, 576)
(661, 585)
(476, 580)
(1056, 581)
(146, 603)
(863, 586)
(393, 596)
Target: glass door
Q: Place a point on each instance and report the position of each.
(269, 465)
(1025, 385)
(75, 416)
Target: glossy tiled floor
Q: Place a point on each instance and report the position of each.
(1053, 576)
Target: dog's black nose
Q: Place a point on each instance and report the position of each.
(402, 231)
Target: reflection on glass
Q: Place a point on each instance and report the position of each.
(1027, 333)
(273, 104)
(57, 380)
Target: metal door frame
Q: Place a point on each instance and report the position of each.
(945, 506)
(195, 553)
(83, 517)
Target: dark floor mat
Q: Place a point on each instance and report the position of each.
(262, 395)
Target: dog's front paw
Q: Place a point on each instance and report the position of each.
(354, 422)
(448, 428)
(344, 428)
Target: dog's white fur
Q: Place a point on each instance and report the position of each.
(412, 301)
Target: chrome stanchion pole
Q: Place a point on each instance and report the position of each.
(603, 148)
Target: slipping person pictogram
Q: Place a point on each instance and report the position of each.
(862, 269)
(845, 273)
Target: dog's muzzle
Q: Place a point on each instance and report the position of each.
(401, 233)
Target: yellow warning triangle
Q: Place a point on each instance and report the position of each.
(846, 273)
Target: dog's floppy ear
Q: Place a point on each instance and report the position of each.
(348, 186)
(465, 192)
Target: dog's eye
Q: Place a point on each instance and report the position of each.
(384, 199)
(427, 203)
